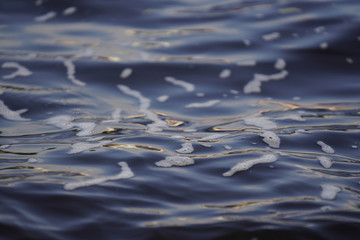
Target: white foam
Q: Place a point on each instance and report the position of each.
(225, 73)
(4, 146)
(329, 191)
(271, 139)
(69, 11)
(254, 86)
(126, 73)
(209, 103)
(280, 64)
(163, 98)
(259, 121)
(179, 161)
(20, 71)
(185, 148)
(45, 17)
(189, 87)
(83, 146)
(200, 94)
(247, 164)
(350, 60)
(271, 36)
(32, 160)
(86, 128)
(125, 173)
(116, 114)
(70, 68)
(38, 2)
(325, 148)
(292, 116)
(354, 146)
(247, 42)
(320, 29)
(214, 136)
(324, 45)
(61, 121)
(157, 124)
(227, 147)
(9, 114)
(247, 63)
(232, 91)
(326, 162)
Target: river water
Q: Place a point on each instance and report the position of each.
(235, 119)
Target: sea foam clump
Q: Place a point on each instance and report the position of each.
(254, 86)
(329, 191)
(243, 166)
(9, 114)
(259, 121)
(271, 139)
(326, 162)
(20, 71)
(83, 146)
(125, 173)
(325, 148)
(45, 17)
(189, 87)
(225, 73)
(126, 73)
(178, 161)
(186, 148)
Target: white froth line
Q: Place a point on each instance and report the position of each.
(45, 17)
(20, 71)
(125, 173)
(271, 36)
(163, 98)
(69, 11)
(9, 114)
(243, 166)
(214, 136)
(157, 124)
(247, 63)
(209, 103)
(325, 148)
(329, 191)
(70, 67)
(185, 148)
(189, 87)
(179, 161)
(254, 86)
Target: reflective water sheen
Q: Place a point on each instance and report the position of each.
(165, 119)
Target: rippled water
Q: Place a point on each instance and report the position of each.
(180, 119)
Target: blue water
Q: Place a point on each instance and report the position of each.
(194, 41)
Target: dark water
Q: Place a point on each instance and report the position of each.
(311, 95)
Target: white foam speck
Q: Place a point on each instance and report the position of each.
(185, 148)
(70, 67)
(157, 124)
(45, 17)
(325, 148)
(32, 160)
(247, 42)
(225, 73)
(163, 98)
(292, 116)
(86, 128)
(125, 173)
(189, 87)
(355, 146)
(324, 45)
(247, 63)
(178, 161)
(296, 98)
(271, 139)
(329, 191)
(350, 60)
(83, 146)
(326, 162)
(126, 73)
(4, 146)
(38, 2)
(280, 64)
(69, 11)
(232, 91)
(61, 121)
(209, 103)
(116, 114)
(259, 121)
(200, 94)
(213, 136)
(247, 164)
(21, 71)
(177, 137)
(227, 147)
(254, 86)
(9, 114)
(271, 36)
(320, 29)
